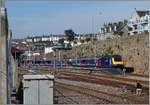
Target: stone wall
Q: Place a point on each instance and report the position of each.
(134, 50)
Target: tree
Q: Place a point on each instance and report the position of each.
(75, 42)
(88, 39)
(49, 43)
(109, 50)
(120, 33)
(115, 33)
(61, 41)
(69, 34)
(82, 41)
(95, 39)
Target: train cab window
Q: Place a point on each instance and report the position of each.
(117, 59)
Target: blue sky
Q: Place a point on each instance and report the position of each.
(38, 17)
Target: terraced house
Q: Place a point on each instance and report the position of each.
(108, 30)
(139, 22)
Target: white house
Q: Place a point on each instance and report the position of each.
(139, 22)
(48, 50)
(109, 29)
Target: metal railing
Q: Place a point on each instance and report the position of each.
(138, 22)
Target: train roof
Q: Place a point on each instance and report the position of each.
(115, 55)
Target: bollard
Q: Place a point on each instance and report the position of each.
(123, 71)
(124, 89)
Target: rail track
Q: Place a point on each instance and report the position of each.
(99, 70)
(98, 78)
(113, 77)
(104, 80)
(101, 79)
(61, 95)
(80, 90)
(81, 69)
(106, 98)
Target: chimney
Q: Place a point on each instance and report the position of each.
(135, 9)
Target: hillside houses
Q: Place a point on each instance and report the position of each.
(112, 27)
(138, 23)
(53, 38)
(43, 44)
(108, 30)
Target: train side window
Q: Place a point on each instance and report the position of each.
(83, 61)
(43, 62)
(106, 61)
(35, 62)
(39, 62)
(48, 62)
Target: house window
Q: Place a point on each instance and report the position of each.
(135, 27)
(129, 28)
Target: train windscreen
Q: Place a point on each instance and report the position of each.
(117, 58)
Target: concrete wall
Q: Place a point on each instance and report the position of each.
(3, 56)
(14, 74)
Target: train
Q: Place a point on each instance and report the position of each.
(108, 61)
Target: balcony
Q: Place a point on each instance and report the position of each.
(134, 22)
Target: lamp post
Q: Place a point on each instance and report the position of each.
(93, 28)
(94, 36)
(149, 36)
(59, 57)
(54, 60)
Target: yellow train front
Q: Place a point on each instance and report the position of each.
(110, 61)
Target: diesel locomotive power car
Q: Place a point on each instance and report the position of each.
(109, 61)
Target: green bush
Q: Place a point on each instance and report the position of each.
(109, 50)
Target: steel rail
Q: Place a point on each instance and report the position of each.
(98, 94)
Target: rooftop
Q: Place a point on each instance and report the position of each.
(142, 12)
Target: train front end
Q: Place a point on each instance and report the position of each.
(117, 61)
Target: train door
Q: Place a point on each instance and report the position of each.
(98, 62)
(47, 62)
(77, 63)
(92, 62)
(65, 62)
(105, 62)
(82, 62)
